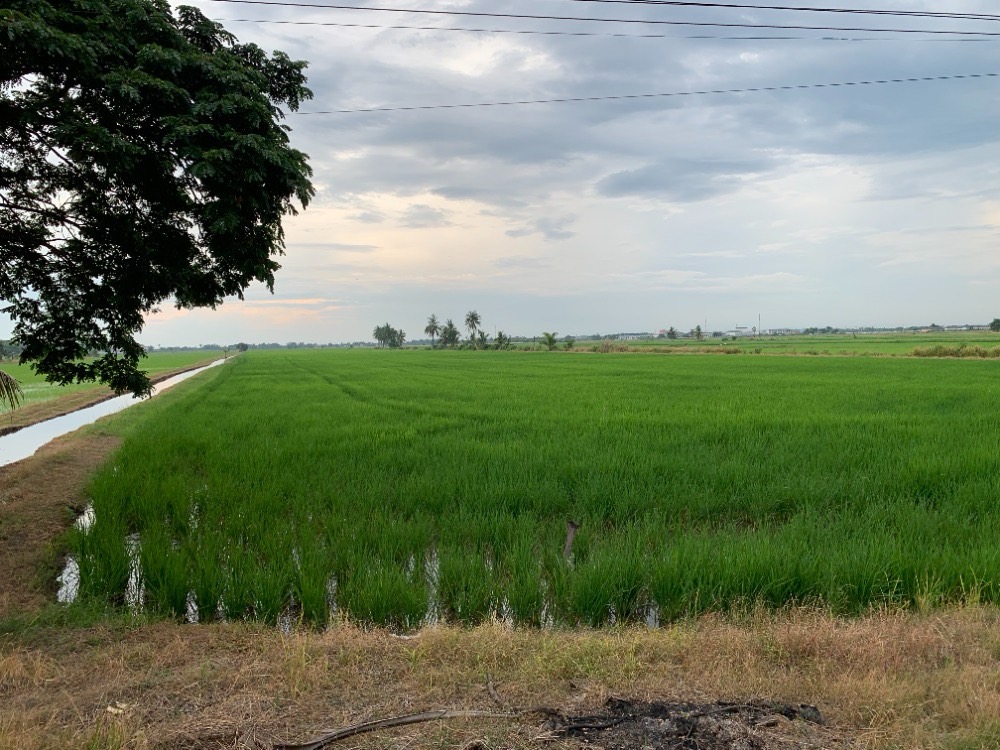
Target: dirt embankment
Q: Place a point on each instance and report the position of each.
(69, 680)
(39, 498)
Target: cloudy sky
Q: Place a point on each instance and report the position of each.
(874, 205)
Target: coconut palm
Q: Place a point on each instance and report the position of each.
(472, 321)
(433, 328)
(449, 334)
(10, 390)
(550, 340)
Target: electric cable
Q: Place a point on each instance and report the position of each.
(954, 15)
(663, 22)
(614, 34)
(613, 97)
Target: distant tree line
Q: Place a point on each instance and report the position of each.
(447, 336)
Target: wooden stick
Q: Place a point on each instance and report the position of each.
(571, 528)
(395, 721)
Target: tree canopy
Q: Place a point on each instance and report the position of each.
(387, 336)
(142, 158)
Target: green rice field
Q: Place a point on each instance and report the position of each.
(401, 487)
(37, 389)
(983, 343)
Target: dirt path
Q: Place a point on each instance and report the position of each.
(72, 679)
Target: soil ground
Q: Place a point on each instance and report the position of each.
(77, 678)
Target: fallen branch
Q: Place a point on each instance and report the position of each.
(395, 721)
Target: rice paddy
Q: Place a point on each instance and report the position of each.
(401, 487)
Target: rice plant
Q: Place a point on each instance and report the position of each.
(442, 484)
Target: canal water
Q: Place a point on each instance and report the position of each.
(23, 443)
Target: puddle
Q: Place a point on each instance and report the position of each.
(23, 443)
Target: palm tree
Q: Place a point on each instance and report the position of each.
(10, 390)
(472, 321)
(549, 339)
(449, 334)
(484, 340)
(432, 329)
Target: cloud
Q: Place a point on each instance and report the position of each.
(699, 281)
(518, 262)
(368, 217)
(684, 180)
(335, 247)
(422, 216)
(552, 229)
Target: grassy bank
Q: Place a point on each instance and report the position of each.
(394, 485)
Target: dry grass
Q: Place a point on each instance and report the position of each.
(888, 680)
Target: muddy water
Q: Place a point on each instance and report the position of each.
(23, 443)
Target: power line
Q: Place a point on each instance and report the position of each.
(662, 22)
(750, 90)
(760, 38)
(802, 9)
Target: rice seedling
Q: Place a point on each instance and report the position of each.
(103, 557)
(385, 595)
(465, 587)
(164, 573)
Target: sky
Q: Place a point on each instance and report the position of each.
(851, 206)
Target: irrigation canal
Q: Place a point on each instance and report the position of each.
(23, 443)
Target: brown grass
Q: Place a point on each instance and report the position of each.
(887, 680)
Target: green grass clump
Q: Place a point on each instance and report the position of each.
(398, 486)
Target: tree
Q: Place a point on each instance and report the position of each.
(502, 340)
(449, 334)
(672, 333)
(697, 333)
(432, 328)
(484, 340)
(549, 340)
(995, 325)
(472, 321)
(142, 158)
(569, 342)
(387, 336)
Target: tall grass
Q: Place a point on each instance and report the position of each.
(398, 486)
